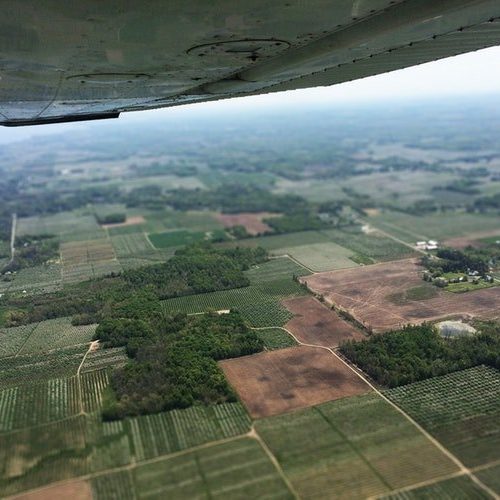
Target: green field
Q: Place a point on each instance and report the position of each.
(435, 226)
(32, 368)
(80, 445)
(12, 339)
(373, 245)
(351, 448)
(131, 244)
(490, 476)
(238, 469)
(175, 238)
(43, 278)
(104, 358)
(461, 410)
(56, 333)
(275, 338)
(457, 488)
(321, 256)
(275, 269)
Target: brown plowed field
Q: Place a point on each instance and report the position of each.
(251, 221)
(75, 490)
(316, 324)
(271, 383)
(369, 293)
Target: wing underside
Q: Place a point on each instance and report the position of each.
(66, 61)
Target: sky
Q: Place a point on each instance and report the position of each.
(472, 74)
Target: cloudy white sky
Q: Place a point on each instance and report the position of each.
(476, 73)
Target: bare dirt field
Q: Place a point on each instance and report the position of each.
(316, 324)
(470, 239)
(251, 221)
(271, 383)
(76, 490)
(131, 221)
(372, 295)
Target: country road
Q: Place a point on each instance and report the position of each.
(13, 237)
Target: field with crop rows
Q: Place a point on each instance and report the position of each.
(259, 305)
(457, 488)
(44, 278)
(238, 469)
(57, 333)
(40, 403)
(93, 384)
(322, 256)
(351, 448)
(491, 477)
(167, 432)
(32, 368)
(115, 486)
(131, 244)
(60, 450)
(461, 409)
(104, 358)
(374, 246)
(275, 338)
(275, 269)
(12, 339)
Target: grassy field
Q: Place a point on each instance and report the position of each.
(436, 226)
(275, 338)
(175, 238)
(65, 224)
(38, 279)
(104, 358)
(462, 410)
(457, 488)
(12, 339)
(56, 333)
(351, 448)
(321, 256)
(238, 469)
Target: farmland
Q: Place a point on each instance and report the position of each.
(82, 444)
(252, 222)
(368, 294)
(238, 469)
(314, 323)
(275, 382)
(275, 338)
(461, 410)
(175, 238)
(56, 333)
(351, 448)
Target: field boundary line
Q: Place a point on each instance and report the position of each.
(293, 259)
(255, 435)
(27, 339)
(462, 468)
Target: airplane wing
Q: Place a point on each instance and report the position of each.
(67, 61)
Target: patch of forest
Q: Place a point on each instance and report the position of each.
(173, 361)
(416, 353)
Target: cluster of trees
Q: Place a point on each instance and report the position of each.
(418, 352)
(198, 268)
(173, 361)
(114, 218)
(137, 293)
(451, 260)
